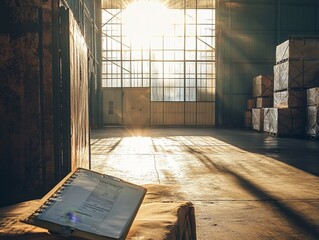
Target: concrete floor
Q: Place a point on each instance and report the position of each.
(244, 184)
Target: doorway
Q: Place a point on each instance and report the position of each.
(127, 106)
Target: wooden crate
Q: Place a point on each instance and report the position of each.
(262, 86)
(266, 113)
(287, 122)
(263, 102)
(248, 118)
(313, 96)
(258, 119)
(312, 125)
(297, 49)
(296, 74)
(290, 99)
(251, 103)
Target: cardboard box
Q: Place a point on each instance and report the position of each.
(313, 96)
(264, 102)
(297, 49)
(287, 122)
(263, 86)
(248, 118)
(258, 119)
(312, 125)
(296, 74)
(290, 99)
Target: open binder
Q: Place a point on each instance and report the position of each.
(90, 205)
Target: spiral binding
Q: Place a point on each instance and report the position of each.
(53, 198)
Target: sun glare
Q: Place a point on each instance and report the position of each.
(144, 19)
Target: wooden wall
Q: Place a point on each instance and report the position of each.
(182, 113)
(132, 106)
(35, 102)
(26, 136)
(79, 111)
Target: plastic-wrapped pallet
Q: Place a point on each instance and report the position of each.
(312, 126)
(287, 122)
(263, 86)
(266, 119)
(298, 49)
(313, 96)
(290, 99)
(258, 119)
(296, 74)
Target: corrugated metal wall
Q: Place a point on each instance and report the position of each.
(248, 32)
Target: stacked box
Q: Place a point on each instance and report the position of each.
(248, 118)
(313, 96)
(263, 86)
(290, 98)
(262, 91)
(251, 103)
(296, 74)
(266, 112)
(298, 49)
(312, 126)
(287, 122)
(264, 102)
(258, 119)
(296, 69)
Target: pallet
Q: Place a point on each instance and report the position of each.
(272, 134)
(312, 137)
(286, 135)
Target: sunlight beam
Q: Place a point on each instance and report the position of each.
(144, 19)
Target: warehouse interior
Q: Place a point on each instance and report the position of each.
(212, 102)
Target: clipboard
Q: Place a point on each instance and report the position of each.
(89, 205)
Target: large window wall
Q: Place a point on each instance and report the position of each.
(178, 65)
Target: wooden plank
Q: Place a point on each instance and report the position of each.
(79, 112)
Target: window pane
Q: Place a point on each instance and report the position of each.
(177, 66)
